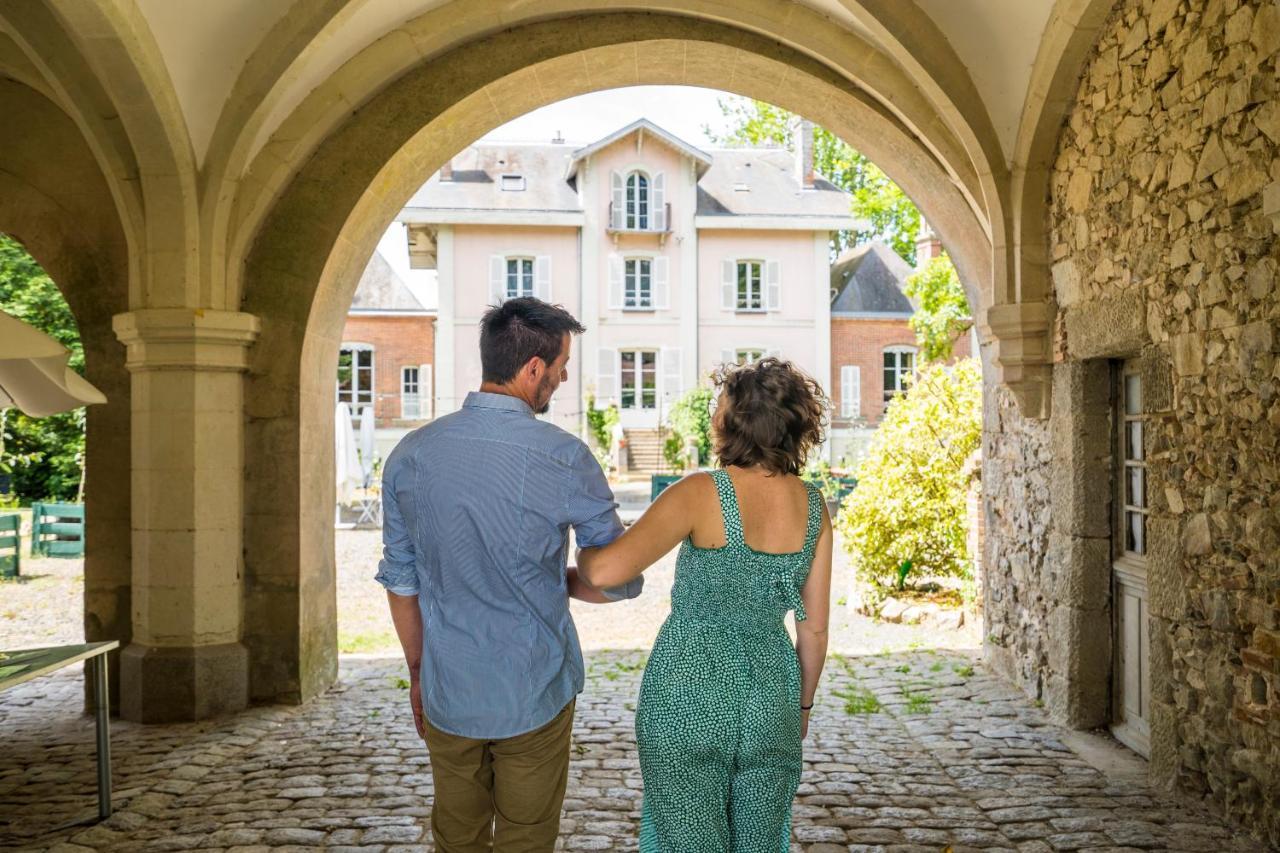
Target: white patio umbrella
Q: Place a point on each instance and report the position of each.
(34, 375)
(347, 461)
(368, 443)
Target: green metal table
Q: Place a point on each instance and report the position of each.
(25, 664)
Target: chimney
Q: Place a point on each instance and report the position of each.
(804, 153)
(558, 139)
(928, 245)
(446, 171)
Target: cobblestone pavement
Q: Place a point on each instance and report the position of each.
(909, 751)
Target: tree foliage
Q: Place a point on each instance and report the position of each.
(943, 314)
(909, 506)
(892, 216)
(43, 456)
(690, 416)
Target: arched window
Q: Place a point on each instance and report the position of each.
(637, 210)
(899, 362)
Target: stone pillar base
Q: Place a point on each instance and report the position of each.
(169, 685)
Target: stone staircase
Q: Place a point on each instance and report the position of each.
(644, 450)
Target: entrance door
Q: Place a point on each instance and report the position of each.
(1131, 687)
(638, 388)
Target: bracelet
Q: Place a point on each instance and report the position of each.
(808, 707)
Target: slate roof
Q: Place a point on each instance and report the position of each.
(737, 181)
(869, 279)
(380, 289)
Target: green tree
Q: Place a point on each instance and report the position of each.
(891, 215)
(943, 314)
(907, 513)
(691, 416)
(44, 456)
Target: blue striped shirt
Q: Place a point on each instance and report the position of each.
(477, 508)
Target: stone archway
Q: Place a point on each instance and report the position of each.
(55, 201)
(308, 255)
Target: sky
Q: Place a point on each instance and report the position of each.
(682, 110)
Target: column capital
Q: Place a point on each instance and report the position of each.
(186, 339)
(1022, 331)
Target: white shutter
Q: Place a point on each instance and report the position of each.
(773, 285)
(607, 377)
(426, 393)
(672, 380)
(850, 391)
(615, 281)
(661, 291)
(729, 285)
(658, 203)
(497, 279)
(619, 196)
(773, 352)
(728, 356)
(542, 277)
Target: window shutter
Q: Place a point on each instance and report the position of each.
(729, 285)
(658, 203)
(618, 208)
(661, 292)
(728, 356)
(615, 281)
(497, 279)
(672, 386)
(850, 391)
(426, 392)
(773, 352)
(542, 277)
(607, 378)
(773, 285)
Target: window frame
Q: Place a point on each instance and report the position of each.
(529, 276)
(742, 300)
(637, 200)
(627, 279)
(355, 403)
(898, 350)
(415, 394)
(637, 373)
(1131, 466)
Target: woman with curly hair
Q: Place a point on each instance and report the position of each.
(725, 700)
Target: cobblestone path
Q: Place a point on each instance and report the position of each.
(909, 751)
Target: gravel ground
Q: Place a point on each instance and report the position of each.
(43, 607)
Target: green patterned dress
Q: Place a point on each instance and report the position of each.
(718, 721)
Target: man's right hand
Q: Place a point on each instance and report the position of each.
(415, 702)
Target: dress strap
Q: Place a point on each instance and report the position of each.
(729, 508)
(815, 521)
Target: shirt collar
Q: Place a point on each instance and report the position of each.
(505, 402)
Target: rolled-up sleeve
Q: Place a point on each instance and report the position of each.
(397, 570)
(594, 515)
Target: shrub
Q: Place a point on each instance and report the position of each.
(690, 416)
(909, 507)
(600, 424)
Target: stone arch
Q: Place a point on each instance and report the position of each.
(56, 202)
(316, 238)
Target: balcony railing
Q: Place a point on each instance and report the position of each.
(609, 227)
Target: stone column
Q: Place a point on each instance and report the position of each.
(186, 660)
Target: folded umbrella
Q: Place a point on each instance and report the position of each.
(34, 375)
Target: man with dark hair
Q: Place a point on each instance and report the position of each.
(476, 512)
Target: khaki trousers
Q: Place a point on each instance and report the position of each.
(500, 795)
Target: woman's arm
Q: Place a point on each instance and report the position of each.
(811, 634)
(664, 524)
(583, 591)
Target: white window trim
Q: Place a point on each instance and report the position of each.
(404, 394)
(657, 376)
(764, 303)
(373, 379)
(648, 198)
(915, 364)
(533, 274)
(652, 304)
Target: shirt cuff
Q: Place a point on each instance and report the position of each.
(398, 579)
(630, 589)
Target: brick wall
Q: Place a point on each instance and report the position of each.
(397, 342)
(862, 342)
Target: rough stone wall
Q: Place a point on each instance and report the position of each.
(1162, 252)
